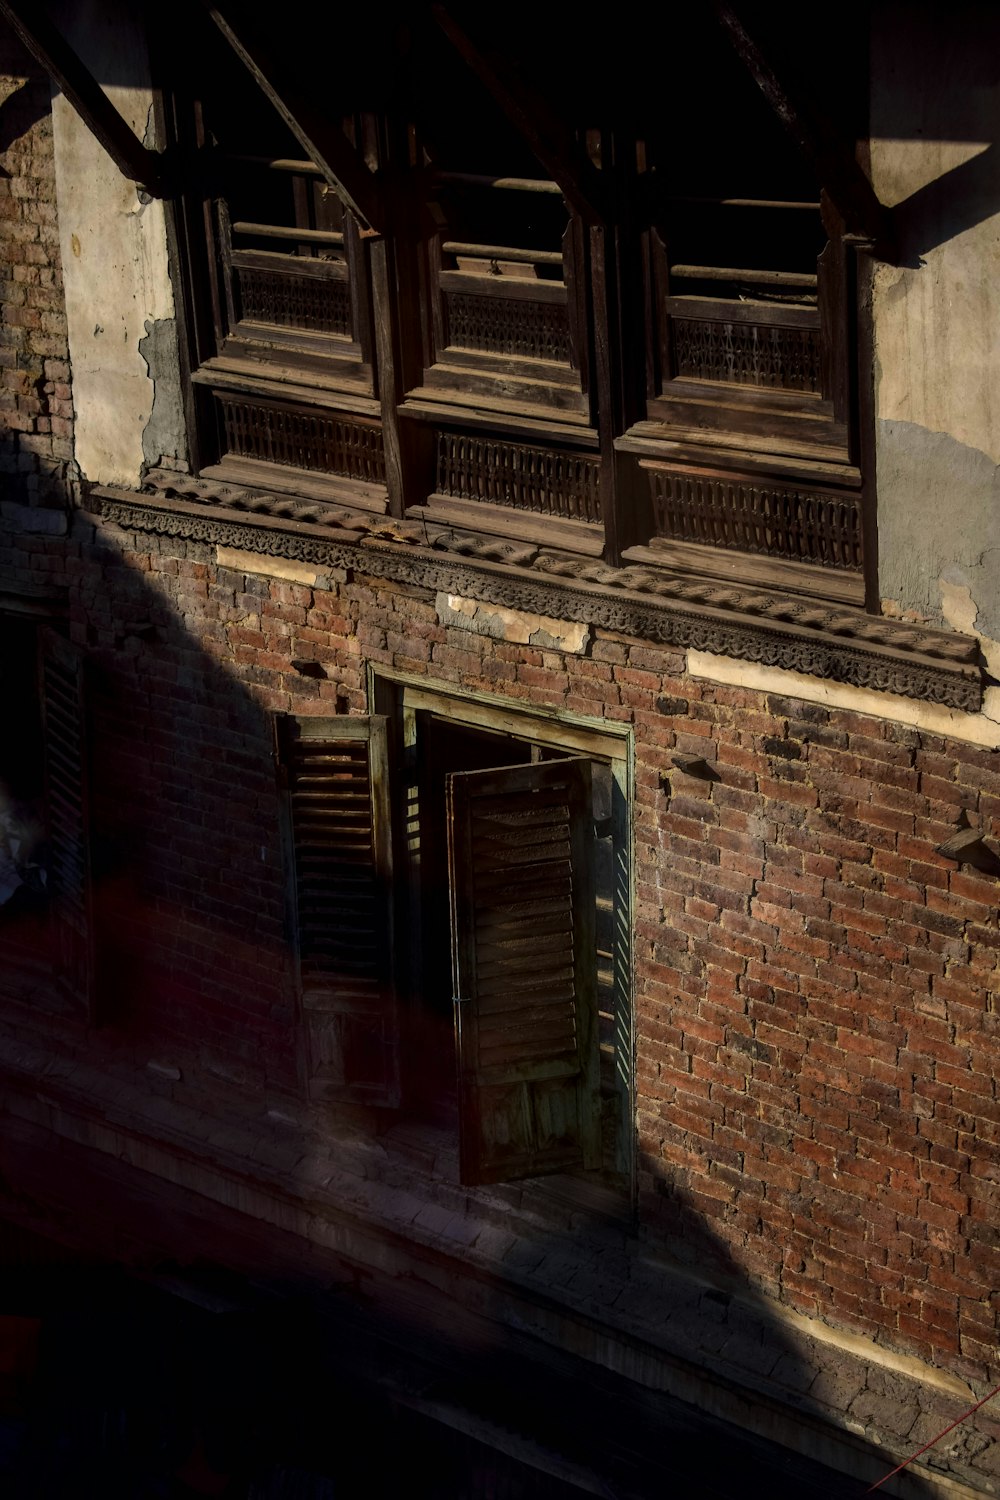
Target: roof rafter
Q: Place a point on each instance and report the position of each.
(831, 155)
(319, 135)
(553, 144)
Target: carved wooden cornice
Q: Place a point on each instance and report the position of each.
(753, 624)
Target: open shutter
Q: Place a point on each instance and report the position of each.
(67, 816)
(336, 773)
(523, 956)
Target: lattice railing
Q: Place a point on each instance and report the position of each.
(503, 325)
(543, 480)
(303, 439)
(319, 304)
(742, 353)
(779, 521)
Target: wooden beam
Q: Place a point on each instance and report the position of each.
(315, 128)
(553, 144)
(79, 86)
(831, 155)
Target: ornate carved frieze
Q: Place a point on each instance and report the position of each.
(748, 516)
(742, 353)
(756, 625)
(547, 481)
(302, 438)
(502, 325)
(275, 295)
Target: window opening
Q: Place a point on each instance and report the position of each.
(439, 749)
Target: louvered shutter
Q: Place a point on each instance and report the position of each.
(336, 773)
(523, 957)
(67, 817)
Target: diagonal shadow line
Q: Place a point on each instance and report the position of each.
(954, 202)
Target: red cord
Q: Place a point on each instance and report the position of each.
(881, 1482)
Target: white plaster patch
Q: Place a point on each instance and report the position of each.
(114, 254)
(961, 612)
(514, 625)
(958, 606)
(977, 729)
(269, 567)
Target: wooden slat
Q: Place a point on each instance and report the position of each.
(524, 961)
(337, 802)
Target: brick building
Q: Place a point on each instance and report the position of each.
(499, 624)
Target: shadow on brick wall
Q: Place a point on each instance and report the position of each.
(173, 1141)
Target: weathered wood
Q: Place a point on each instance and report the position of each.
(529, 1081)
(502, 184)
(504, 252)
(427, 404)
(79, 86)
(699, 560)
(861, 256)
(281, 232)
(732, 273)
(552, 531)
(613, 395)
(331, 488)
(390, 387)
(329, 387)
(335, 779)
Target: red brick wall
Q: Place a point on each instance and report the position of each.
(815, 985)
(36, 407)
(818, 1020)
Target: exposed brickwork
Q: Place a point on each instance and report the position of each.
(818, 1023)
(817, 990)
(36, 403)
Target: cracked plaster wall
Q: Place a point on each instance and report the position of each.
(935, 159)
(119, 300)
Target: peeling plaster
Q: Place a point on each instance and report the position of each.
(115, 269)
(938, 513)
(163, 435)
(975, 729)
(540, 631)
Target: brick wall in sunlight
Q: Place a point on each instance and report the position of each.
(36, 406)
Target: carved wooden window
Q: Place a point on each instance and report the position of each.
(280, 313)
(747, 300)
(504, 267)
(293, 286)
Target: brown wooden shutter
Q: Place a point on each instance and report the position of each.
(336, 772)
(67, 816)
(523, 958)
